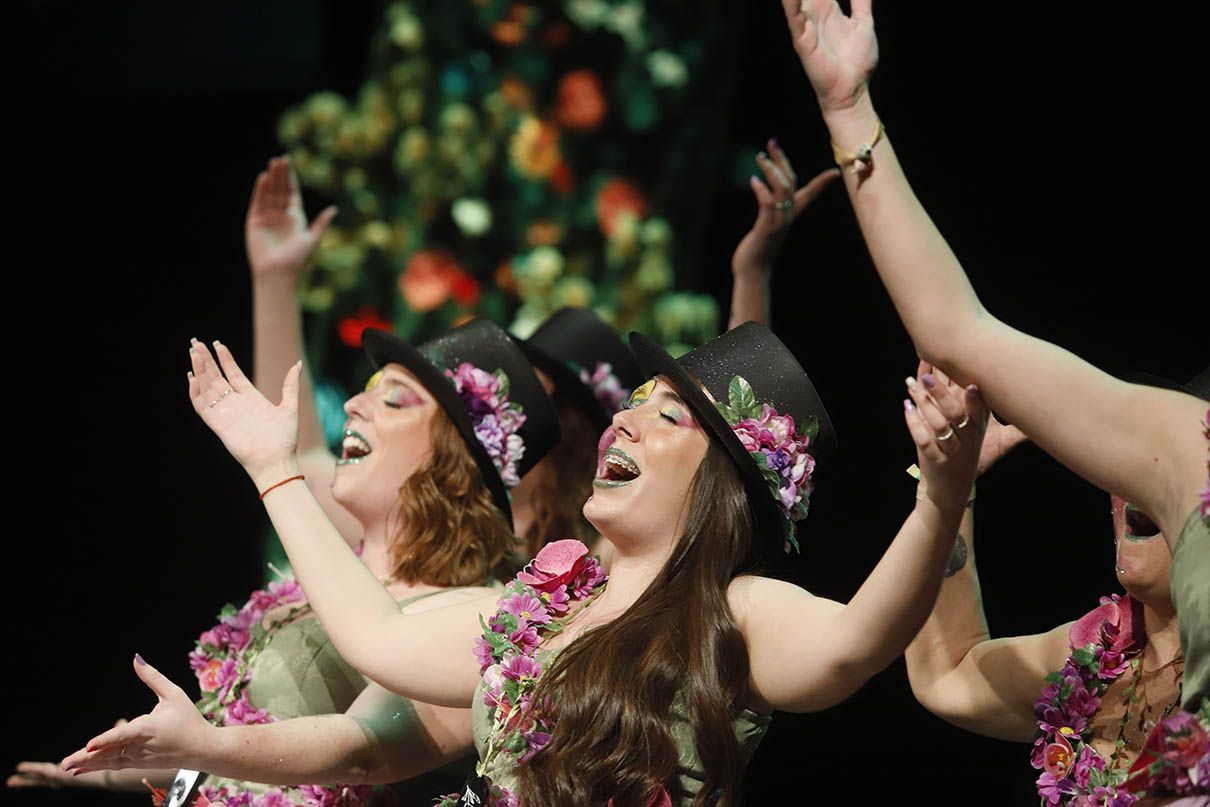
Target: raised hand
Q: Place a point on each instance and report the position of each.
(838, 51)
(262, 436)
(275, 231)
(170, 736)
(779, 202)
(947, 424)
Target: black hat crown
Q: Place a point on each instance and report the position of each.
(520, 417)
(746, 381)
(587, 360)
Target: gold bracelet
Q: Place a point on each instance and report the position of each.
(913, 471)
(860, 159)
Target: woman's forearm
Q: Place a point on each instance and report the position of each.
(277, 340)
(749, 297)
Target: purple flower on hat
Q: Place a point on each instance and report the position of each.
(496, 421)
(777, 447)
(605, 386)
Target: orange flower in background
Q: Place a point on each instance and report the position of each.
(618, 196)
(535, 148)
(561, 179)
(581, 105)
(544, 233)
(510, 31)
(517, 93)
(505, 280)
(465, 290)
(431, 277)
(350, 328)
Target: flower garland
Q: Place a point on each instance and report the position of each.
(779, 451)
(605, 386)
(535, 605)
(1206, 490)
(1106, 643)
(222, 661)
(496, 421)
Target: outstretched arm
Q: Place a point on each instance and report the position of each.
(779, 203)
(1138, 442)
(808, 653)
(382, 738)
(279, 244)
(957, 671)
(360, 616)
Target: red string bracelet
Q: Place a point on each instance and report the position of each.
(278, 485)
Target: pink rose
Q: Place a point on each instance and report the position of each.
(1118, 621)
(556, 565)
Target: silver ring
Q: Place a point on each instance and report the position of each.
(230, 390)
(214, 402)
(948, 434)
(965, 421)
(785, 206)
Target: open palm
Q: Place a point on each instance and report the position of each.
(275, 231)
(838, 51)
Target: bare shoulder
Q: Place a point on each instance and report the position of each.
(479, 595)
(751, 594)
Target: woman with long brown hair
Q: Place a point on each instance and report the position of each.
(658, 682)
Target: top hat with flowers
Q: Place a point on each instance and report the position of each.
(487, 386)
(750, 393)
(587, 361)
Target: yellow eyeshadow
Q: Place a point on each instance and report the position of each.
(674, 414)
(373, 382)
(400, 395)
(640, 394)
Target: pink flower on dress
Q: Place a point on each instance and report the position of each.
(557, 564)
(483, 653)
(217, 675)
(1117, 624)
(556, 601)
(521, 668)
(242, 713)
(592, 576)
(273, 798)
(528, 610)
(336, 795)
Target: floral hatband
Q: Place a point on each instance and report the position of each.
(777, 448)
(495, 419)
(605, 386)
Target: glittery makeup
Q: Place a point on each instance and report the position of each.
(373, 381)
(640, 394)
(400, 396)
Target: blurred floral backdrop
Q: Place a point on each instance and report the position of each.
(504, 159)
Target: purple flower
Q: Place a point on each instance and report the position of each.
(525, 639)
(495, 420)
(1053, 790)
(521, 668)
(1085, 763)
(591, 577)
(273, 798)
(483, 653)
(287, 591)
(493, 685)
(536, 740)
(501, 796)
(606, 387)
(526, 607)
(556, 601)
(336, 795)
(242, 713)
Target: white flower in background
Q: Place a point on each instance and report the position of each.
(626, 20)
(667, 69)
(526, 321)
(473, 216)
(544, 264)
(407, 33)
(587, 14)
(656, 232)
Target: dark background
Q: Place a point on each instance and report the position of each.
(1057, 147)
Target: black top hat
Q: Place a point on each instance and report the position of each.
(573, 347)
(774, 377)
(489, 349)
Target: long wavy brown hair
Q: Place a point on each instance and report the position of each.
(613, 688)
(564, 481)
(457, 535)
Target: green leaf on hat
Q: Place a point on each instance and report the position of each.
(502, 377)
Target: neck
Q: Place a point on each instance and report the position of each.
(522, 505)
(375, 549)
(1163, 636)
(629, 576)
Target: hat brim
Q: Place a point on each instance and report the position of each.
(654, 360)
(568, 383)
(384, 349)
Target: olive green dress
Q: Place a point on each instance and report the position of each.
(1190, 584)
(750, 729)
(299, 673)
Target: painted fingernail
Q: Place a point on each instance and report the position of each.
(139, 660)
(189, 375)
(929, 380)
(908, 406)
(193, 340)
(911, 382)
(762, 156)
(773, 142)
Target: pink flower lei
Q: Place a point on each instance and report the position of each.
(777, 448)
(222, 661)
(535, 605)
(495, 419)
(1205, 504)
(1106, 643)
